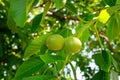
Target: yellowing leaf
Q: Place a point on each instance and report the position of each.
(96, 1)
(104, 16)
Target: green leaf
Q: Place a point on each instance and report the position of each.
(81, 28)
(42, 77)
(110, 2)
(35, 46)
(59, 3)
(115, 63)
(20, 9)
(113, 28)
(46, 8)
(29, 67)
(113, 75)
(11, 23)
(118, 2)
(60, 64)
(36, 22)
(85, 36)
(50, 58)
(107, 59)
(65, 32)
(113, 9)
(101, 75)
(103, 61)
(71, 7)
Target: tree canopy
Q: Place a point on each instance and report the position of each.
(93, 27)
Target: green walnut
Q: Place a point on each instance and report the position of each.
(72, 45)
(55, 42)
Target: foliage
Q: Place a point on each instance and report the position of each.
(26, 24)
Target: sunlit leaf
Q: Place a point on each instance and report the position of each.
(104, 16)
(85, 36)
(96, 1)
(118, 2)
(113, 28)
(113, 9)
(81, 28)
(114, 75)
(50, 58)
(35, 46)
(20, 9)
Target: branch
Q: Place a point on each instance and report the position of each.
(62, 17)
(74, 71)
(108, 42)
(98, 36)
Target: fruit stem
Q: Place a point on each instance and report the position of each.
(66, 61)
(74, 72)
(98, 37)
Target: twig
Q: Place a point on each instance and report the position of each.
(66, 61)
(98, 36)
(74, 71)
(108, 41)
(62, 17)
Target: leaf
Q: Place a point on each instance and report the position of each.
(117, 2)
(20, 9)
(103, 61)
(60, 64)
(35, 46)
(85, 36)
(107, 59)
(116, 64)
(42, 77)
(50, 58)
(59, 3)
(29, 67)
(65, 32)
(81, 28)
(46, 8)
(113, 28)
(113, 75)
(113, 9)
(71, 7)
(36, 22)
(101, 75)
(11, 23)
(110, 2)
(104, 16)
